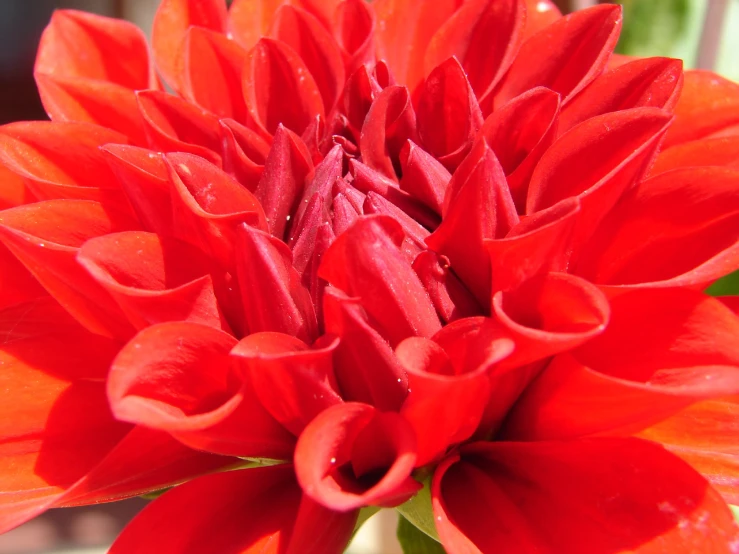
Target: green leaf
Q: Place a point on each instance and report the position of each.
(735, 509)
(414, 541)
(419, 512)
(364, 514)
(726, 286)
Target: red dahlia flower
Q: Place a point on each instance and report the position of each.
(442, 256)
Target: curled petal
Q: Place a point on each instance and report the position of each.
(699, 247)
(46, 237)
(423, 176)
(708, 105)
(249, 20)
(484, 35)
(178, 377)
(244, 153)
(634, 379)
(293, 381)
(352, 455)
(647, 82)
(211, 73)
(354, 29)
(578, 47)
(175, 125)
(520, 133)
(592, 496)
(172, 20)
(366, 367)
(434, 382)
(279, 89)
(366, 262)
(154, 279)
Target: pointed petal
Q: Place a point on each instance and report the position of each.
(211, 73)
(647, 82)
(316, 47)
(448, 114)
(293, 381)
(390, 122)
(355, 31)
(484, 35)
(352, 455)
(274, 298)
(279, 89)
(244, 153)
(520, 133)
(423, 176)
(622, 381)
(172, 20)
(577, 49)
(708, 105)
(366, 367)
(178, 377)
(366, 262)
(595, 497)
(477, 206)
(632, 247)
(539, 14)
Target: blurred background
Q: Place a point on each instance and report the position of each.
(704, 33)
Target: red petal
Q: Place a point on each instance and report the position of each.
(484, 35)
(596, 162)
(279, 88)
(539, 14)
(390, 122)
(178, 377)
(244, 153)
(404, 31)
(520, 133)
(316, 47)
(704, 435)
(249, 20)
(722, 151)
(46, 236)
(352, 455)
(595, 497)
(360, 91)
(366, 262)
(211, 73)
(293, 381)
(538, 244)
(61, 160)
(175, 125)
(154, 279)
(566, 55)
(17, 284)
(647, 82)
(634, 247)
(423, 176)
(171, 22)
(434, 384)
(625, 379)
(354, 31)
(708, 105)
(55, 424)
(477, 206)
(89, 101)
(285, 170)
(274, 298)
(80, 45)
(143, 176)
(209, 206)
(366, 368)
(448, 114)
(13, 190)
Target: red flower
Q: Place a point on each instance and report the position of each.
(368, 247)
